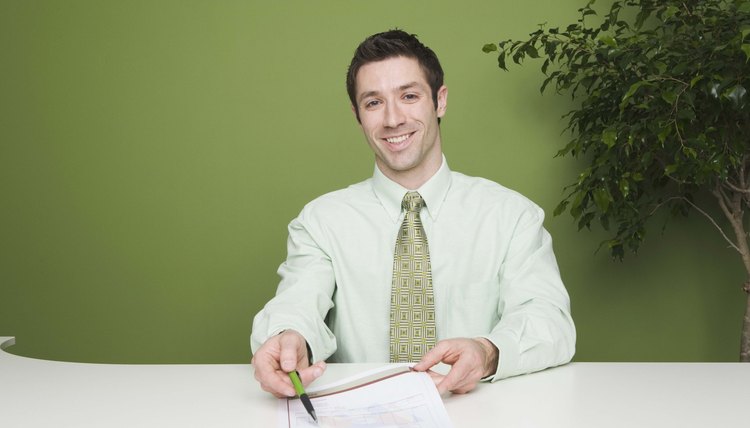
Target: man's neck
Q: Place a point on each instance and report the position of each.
(413, 179)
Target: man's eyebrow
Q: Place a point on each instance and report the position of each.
(403, 87)
(408, 86)
(367, 95)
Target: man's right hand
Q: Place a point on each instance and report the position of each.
(280, 355)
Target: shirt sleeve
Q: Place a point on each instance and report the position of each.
(304, 295)
(535, 330)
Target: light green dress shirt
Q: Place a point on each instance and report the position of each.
(493, 268)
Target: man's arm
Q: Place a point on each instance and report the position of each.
(302, 301)
(535, 330)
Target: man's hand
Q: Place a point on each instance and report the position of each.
(471, 360)
(280, 355)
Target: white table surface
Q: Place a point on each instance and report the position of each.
(42, 393)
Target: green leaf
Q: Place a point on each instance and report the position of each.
(670, 169)
(501, 61)
(624, 187)
(665, 132)
(695, 80)
(746, 50)
(489, 47)
(631, 91)
(531, 51)
(670, 12)
(690, 152)
(604, 220)
(680, 68)
(588, 12)
(602, 199)
(585, 221)
(560, 208)
(575, 207)
(584, 175)
(609, 41)
(661, 66)
(609, 137)
(686, 114)
(669, 97)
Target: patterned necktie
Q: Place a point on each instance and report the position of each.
(412, 301)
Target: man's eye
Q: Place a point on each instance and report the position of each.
(371, 103)
(411, 97)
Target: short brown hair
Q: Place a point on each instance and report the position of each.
(389, 44)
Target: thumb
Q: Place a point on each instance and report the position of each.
(290, 344)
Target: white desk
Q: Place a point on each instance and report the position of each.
(40, 393)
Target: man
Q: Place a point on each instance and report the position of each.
(481, 293)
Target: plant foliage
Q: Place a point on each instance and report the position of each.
(662, 110)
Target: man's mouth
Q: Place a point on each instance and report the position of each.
(399, 138)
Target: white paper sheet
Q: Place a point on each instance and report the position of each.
(389, 397)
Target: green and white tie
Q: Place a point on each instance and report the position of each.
(412, 301)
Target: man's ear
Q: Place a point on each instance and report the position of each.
(442, 100)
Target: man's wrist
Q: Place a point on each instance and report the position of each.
(491, 356)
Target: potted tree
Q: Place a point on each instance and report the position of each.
(662, 116)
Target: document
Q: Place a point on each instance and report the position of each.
(389, 397)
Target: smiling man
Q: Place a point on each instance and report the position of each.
(419, 263)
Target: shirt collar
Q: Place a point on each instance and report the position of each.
(433, 191)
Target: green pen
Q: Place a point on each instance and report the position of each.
(294, 376)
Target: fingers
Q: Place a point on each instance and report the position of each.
(433, 356)
(466, 357)
(271, 378)
(278, 356)
(461, 378)
(435, 376)
(311, 373)
(278, 383)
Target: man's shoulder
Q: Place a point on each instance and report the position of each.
(483, 194)
(488, 190)
(352, 195)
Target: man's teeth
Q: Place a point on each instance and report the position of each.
(396, 140)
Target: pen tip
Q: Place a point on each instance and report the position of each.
(314, 416)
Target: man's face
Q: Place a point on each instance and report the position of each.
(399, 119)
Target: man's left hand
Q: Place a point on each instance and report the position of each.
(471, 360)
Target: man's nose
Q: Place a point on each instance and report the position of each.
(394, 115)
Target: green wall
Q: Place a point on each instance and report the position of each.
(153, 152)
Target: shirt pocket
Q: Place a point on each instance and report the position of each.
(472, 309)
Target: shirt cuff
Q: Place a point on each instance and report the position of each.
(507, 358)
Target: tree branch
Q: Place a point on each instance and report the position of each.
(724, 201)
(736, 188)
(711, 219)
(705, 214)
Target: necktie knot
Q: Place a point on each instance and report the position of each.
(412, 202)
